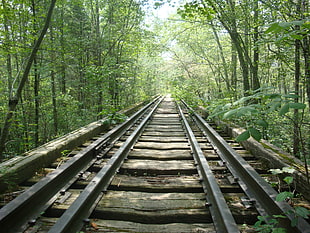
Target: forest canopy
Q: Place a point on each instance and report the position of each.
(244, 61)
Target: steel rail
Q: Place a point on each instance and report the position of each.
(261, 194)
(73, 219)
(221, 215)
(30, 204)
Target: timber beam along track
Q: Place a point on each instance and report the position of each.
(163, 170)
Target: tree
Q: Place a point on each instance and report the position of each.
(14, 97)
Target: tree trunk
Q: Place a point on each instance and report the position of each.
(36, 84)
(242, 60)
(53, 87)
(230, 24)
(63, 50)
(14, 97)
(54, 101)
(306, 53)
(296, 139)
(225, 69)
(255, 80)
(234, 69)
(36, 103)
(7, 46)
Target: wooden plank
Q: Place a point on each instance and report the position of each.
(157, 129)
(164, 126)
(161, 145)
(153, 207)
(160, 154)
(158, 145)
(162, 139)
(157, 207)
(161, 183)
(157, 184)
(153, 167)
(166, 134)
(124, 226)
(160, 208)
(166, 115)
(165, 122)
(115, 226)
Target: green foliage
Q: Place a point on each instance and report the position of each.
(255, 110)
(267, 225)
(196, 9)
(112, 116)
(288, 30)
(302, 212)
(270, 223)
(65, 152)
(92, 61)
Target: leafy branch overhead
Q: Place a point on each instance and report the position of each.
(288, 30)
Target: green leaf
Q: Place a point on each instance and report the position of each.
(289, 179)
(302, 212)
(285, 108)
(158, 4)
(274, 27)
(297, 37)
(272, 96)
(294, 222)
(293, 96)
(279, 230)
(283, 196)
(279, 216)
(241, 111)
(215, 114)
(285, 25)
(306, 24)
(274, 105)
(244, 136)
(255, 134)
(230, 114)
(242, 100)
(297, 105)
(262, 123)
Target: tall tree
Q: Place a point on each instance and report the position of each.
(7, 43)
(14, 97)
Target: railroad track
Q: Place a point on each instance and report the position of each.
(162, 170)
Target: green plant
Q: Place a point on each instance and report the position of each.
(255, 110)
(268, 115)
(268, 224)
(288, 179)
(112, 116)
(65, 152)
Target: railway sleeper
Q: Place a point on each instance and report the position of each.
(156, 208)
